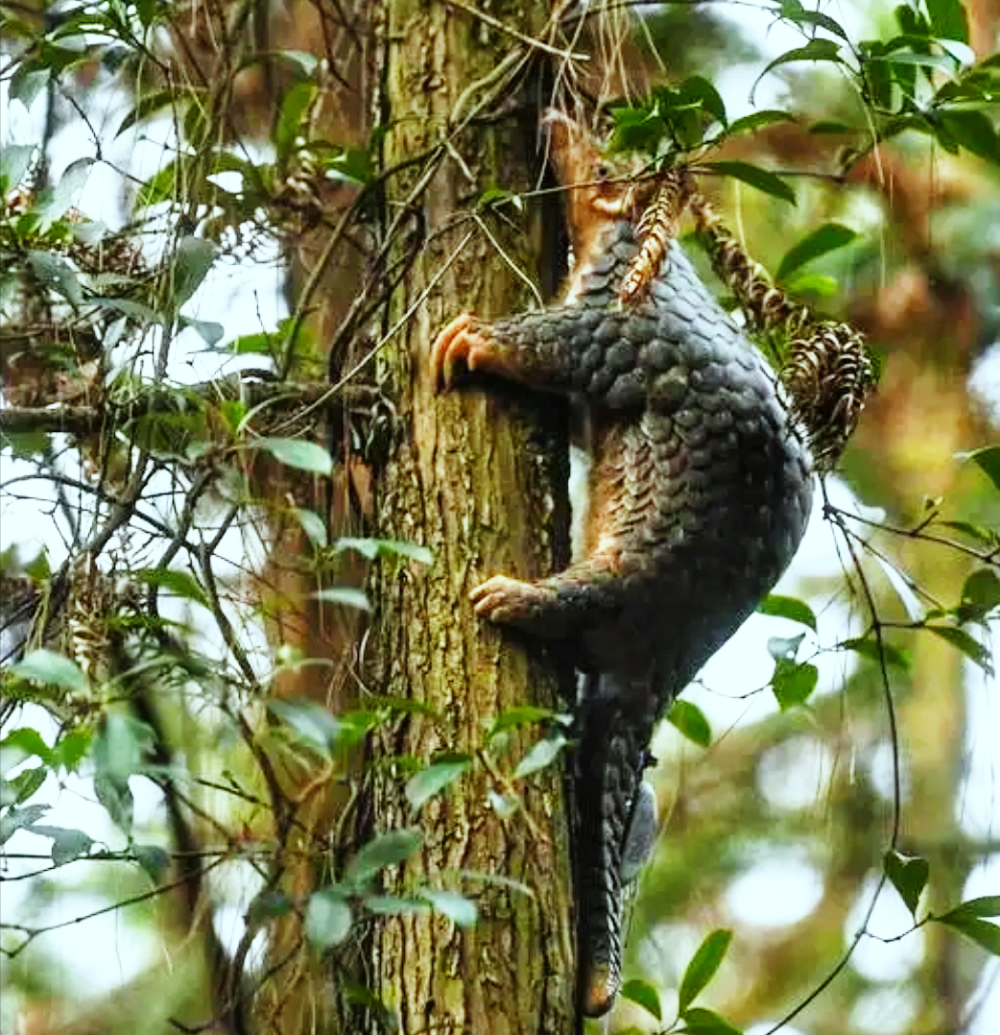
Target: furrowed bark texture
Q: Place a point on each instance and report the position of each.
(474, 479)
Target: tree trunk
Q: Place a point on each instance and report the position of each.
(475, 479)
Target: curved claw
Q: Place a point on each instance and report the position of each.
(460, 343)
(508, 601)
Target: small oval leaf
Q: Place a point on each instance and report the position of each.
(45, 666)
(388, 849)
(704, 963)
(691, 721)
(328, 918)
(433, 780)
(460, 910)
(645, 995)
(296, 452)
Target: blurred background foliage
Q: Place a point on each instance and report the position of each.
(227, 150)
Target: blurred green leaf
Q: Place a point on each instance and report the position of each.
(460, 910)
(345, 596)
(824, 239)
(15, 161)
(312, 525)
(298, 453)
(699, 1021)
(386, 548)
(388, 849)
(153, 859)
(180, 583)
(328, 918)
(988, 461)
(980, 596)
(45, 666)
(962, 641)
(56, 274)
(540, 755)
(432, 780)
(761, 179)
(192, 260)
(690, 720)
(868, 647)
(15, 819)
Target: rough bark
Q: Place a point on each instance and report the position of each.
(475, 479)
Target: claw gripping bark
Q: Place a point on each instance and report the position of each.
(701, 485)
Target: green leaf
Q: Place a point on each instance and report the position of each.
(690, 720)
(15, 161)
(268, 905)
(154, 860)
(540, 755)
(146, 106)
(757, 120)
(312, 525)
(948, 20)
(644, 994)
(792, 684)
(45, 666)
(756, 177)
(784, 648)
(824, 239)
(54, 203)
(788, 607)
(460, 910)
(120, 746)
(988, 460)
(179, 583)
(388, 849)
(394, 905)
(868, 647)
(699, 1021)
(328, 918)
(209, 331)
(908, 874)
(297, 452)
(793, 11)
(346, 596)
(21, 744)
(24, 785)
(71, 749)
(962, 641)
(68, 845)
(294, 107)
(55, 273)
(433, 780)
(967, 918)
(18, 818)
(352, 164)
(698, 88)
(972, 130)
(116, 797)
(386, 548)
(980, 596)
(520, 716)
(814, 50)
(704, 963)
(314, 726)
(192, 260)
(987, 905)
